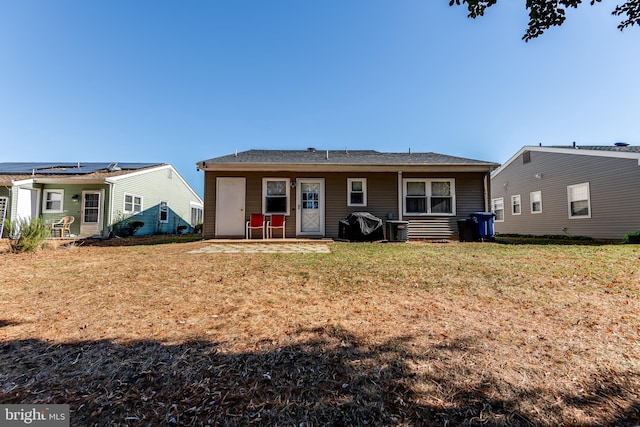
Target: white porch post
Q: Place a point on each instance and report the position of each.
(400, 195)
(486, 192)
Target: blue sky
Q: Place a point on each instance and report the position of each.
(179, 82)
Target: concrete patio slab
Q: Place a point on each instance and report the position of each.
(270, 248)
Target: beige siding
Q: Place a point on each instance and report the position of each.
(614, 207)
(382, 200)
(469, 188)
(253, 201)
(209, 214)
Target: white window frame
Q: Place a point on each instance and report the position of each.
(569, 200)
(498, 205)
(350, 191)
(516, 200)
(264, 195)
(531, 201)
(199, 216)
(428, 182)
(163, 208)
(45, 194)
(133, 204)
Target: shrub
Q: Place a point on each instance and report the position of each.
(26, 235)
(121, 227)
(133, 226)
(632, 237)
(197, 228)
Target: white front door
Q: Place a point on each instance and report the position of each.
(230, 200)
(27, 204)
(310, 202)
(91, 213)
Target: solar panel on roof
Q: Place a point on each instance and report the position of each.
(66, 168)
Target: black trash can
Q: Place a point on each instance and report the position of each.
(397, 231)
(466, 229)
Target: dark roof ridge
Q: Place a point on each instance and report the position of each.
(622, 148)
(339, 157)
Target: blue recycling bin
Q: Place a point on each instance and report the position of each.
(484, 225)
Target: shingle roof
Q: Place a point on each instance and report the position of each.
(618, 148)
(66, 168)
(10, 172)
(341, 157)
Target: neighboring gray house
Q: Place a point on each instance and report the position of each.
(100, 195)
(572, 190)
(316, 189)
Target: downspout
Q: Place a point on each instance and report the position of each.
(400, 195)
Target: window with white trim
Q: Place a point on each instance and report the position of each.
(356, 191)
(132, 204)
(196, 215)
(164, 212)
(497, 207)
(579, 199)
(429, 196)
(53, 201)
(536, 202)
(516, 205)
(275, 195)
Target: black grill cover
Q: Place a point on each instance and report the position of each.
(361, 227)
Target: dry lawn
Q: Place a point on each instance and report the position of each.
(373, 334)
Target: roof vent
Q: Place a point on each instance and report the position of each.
(113, 167)
(621, 144)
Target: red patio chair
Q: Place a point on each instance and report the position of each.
(256, 222)
(277, 221)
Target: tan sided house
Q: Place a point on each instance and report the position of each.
(98, 197)
(569, 190)
(315, 189)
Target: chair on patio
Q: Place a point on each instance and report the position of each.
(62, 225)
(277, 221)
(256, 222)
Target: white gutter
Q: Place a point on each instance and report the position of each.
(22, 182)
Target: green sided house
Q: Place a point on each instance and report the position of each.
(316, 189)
(100, 196)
